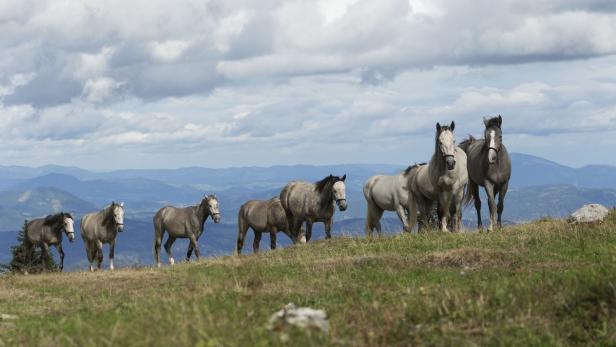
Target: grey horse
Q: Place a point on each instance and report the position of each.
(387, 193)
(262, 216)
(182, 223)
(489, 166)
(313, 202)
(102, 227)
(45, 232)
(442, 181)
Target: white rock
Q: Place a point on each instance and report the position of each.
(590, 214)
(301, 317)
(5, 316)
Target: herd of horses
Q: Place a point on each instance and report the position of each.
(446, 183)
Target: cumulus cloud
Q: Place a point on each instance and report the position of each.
(296, 81)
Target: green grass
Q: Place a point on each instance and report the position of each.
(545, 283)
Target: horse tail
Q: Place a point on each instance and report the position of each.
(242, 228)
(469, 194)
(158, 233)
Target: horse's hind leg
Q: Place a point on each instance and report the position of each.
(194, 245)
(308, 230)
(158, 239)
(89, 253)
(501, 203)
(401, 212)
(168, 245)
(256, 242)
(474, 191)
(189, 252)
(242, 229)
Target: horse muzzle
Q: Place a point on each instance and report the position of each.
(451, 162)
(216, 217)
(492, 155)
(71, 237)
(342, 204)
(120, 227)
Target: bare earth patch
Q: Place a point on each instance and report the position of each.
(471, 258)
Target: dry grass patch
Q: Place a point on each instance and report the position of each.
(471, 258)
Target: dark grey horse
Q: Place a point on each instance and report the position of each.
(182, 223)
(45, 232)
(489, 166)
(262, 216)
(313, 202)
(102, 227)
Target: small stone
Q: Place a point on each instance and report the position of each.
(301, 317)
(592, 213)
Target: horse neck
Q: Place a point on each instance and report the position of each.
(325, 197)
(201, 214)
(437, 164)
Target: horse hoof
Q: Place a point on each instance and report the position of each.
(158, 265)
(171, 261)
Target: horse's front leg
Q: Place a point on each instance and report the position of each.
(444, 201)
(308, 230)
(61, 253)
(194, 245)
(256, 242)
(99, 253)
(273, 232)
(328, 228)
(111, 254)
(491, 204)
(401, 212)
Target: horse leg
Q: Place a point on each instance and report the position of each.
(412, 211)
(273, 232)
(194, 245)
(492, 204)
(61, 253)
(308, 230)
(444, 202)
(45, 255)
(99, 254)
(168, 245)
(256, 242)
(501, 203)
(159, 232)
(189, 252)
(401, 212)
(241, 234)
(111, 254)
(474, 190)
(328, 229)
(456, 210)
(89, 253)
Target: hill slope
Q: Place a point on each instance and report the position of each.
(545, 283)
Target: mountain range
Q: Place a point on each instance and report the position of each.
(538, 188)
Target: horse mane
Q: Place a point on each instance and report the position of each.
(412, 167)
(52, 219)
(108, 215)
(467, 142)
(324, 187)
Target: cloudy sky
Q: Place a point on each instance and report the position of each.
(152, 84)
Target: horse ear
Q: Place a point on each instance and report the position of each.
(438, 126)
(121, 204)
(452, 126)
(113, 203)
(500, 120)
(343, 177)
(485, 121)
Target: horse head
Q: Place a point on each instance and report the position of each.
(493, 137)
(446, 144)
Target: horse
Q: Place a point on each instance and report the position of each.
(313, 202)
(45, 232)
(262, 216)
(387, 193)
(489, 166)
(442, 180)
(102, 227)
(182, 223)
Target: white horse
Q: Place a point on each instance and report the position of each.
(443, 181)
(387, 193)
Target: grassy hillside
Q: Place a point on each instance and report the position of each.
(546, 283)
